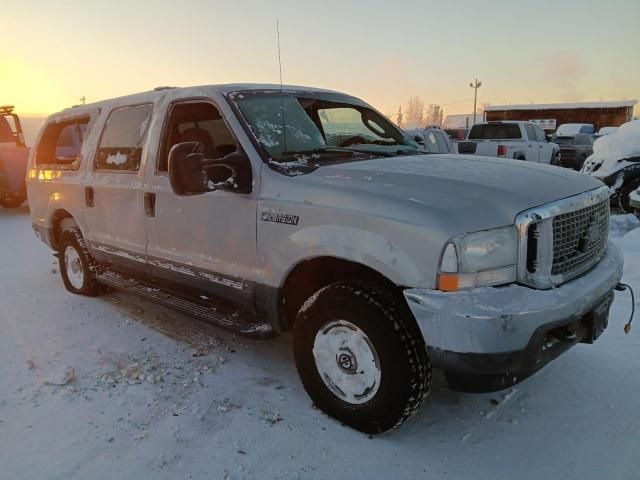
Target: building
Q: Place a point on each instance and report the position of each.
(551, 116)
(462, 120)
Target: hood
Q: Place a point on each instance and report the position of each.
(469, 192)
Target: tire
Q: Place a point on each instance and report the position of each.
(78, 268)
(386, 380)
(623, 195)
(556, 160)
(12, 200)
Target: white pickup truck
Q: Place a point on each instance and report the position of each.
(510, 139)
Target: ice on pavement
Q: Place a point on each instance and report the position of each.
(143, 392)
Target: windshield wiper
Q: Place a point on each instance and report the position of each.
(319, 151)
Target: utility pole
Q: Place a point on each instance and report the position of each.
(83, 99)
(475, 87)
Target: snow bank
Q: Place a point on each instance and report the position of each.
(612, 149)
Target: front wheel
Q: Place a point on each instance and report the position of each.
(12, 200)
(361, 356)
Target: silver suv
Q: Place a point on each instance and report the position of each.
(266, 209)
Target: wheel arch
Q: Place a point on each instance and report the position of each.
(61, 219)
(310, 275)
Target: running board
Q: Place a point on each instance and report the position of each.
(216, 311)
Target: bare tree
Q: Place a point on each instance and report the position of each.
(435, 115)
(415, 112)
(399, 120)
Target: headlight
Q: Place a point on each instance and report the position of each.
(479, 259)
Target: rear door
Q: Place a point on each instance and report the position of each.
(204, 244)
(113, 195)
(532, 146)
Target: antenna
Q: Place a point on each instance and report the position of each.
(284, 126)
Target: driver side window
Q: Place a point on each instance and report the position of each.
(341, 124)
(196, 121)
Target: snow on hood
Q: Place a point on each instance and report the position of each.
(468, 192)
(611, 151)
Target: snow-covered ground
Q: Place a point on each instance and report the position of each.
(114, 387)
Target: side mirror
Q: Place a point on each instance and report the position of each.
(186, 169)
(190, 173)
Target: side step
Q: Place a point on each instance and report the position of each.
(216, 311)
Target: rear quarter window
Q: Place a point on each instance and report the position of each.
(495, 131)
(61, 143)
(120, 146)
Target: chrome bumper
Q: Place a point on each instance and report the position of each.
(494, 320)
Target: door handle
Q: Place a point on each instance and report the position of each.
(89, 195)
(150, 204)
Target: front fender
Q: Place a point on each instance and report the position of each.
(364, 247)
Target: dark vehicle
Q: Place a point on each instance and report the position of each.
(13, 159)
(574, 150)
(457, 134)
(433, 139)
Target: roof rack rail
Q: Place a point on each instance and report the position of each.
(157, 89)
(6, 109)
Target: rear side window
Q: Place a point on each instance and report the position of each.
(495, 131)
(61, 144)
(540, 135)
(120, 146)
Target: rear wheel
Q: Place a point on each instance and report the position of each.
(77, 267)
(11, 200)
(361, 356)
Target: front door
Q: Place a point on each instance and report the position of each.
(113, 198)
(205, 243)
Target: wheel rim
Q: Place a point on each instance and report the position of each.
(73, 267)
(347, 362)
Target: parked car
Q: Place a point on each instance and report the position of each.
(433, 139)
(457, 134)
(607, 130)
(507, 139)
(570, 129)
(616, 161)
(574, 150)
(266, 208)
(13, 159)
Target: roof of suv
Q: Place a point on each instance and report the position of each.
(152, 95)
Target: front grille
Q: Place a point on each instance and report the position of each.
(579, 238)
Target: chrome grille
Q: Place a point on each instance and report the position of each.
(579, 237)
(563, 239)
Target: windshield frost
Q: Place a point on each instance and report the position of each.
(319, 125)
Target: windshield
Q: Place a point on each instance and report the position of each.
(321, 125)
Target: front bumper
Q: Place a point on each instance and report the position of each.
(512, 331)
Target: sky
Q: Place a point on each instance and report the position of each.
(52, 53)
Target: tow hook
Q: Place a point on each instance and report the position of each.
(621, 287)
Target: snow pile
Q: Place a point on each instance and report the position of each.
(630, 244)
(620, 225)
(611, 150)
